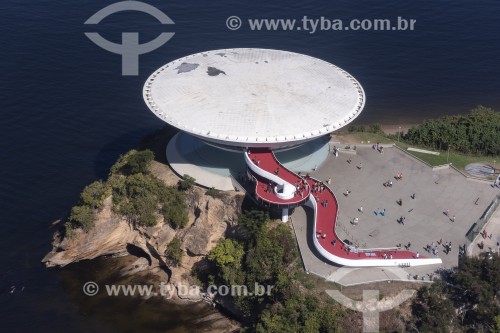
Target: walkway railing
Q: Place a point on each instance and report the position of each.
(481, 222)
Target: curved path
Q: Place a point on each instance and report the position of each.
(282, 188)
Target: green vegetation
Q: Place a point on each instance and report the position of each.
(133, 162)
(433, 310)
(141, 198)
(213, 192)
(94, 194)
(367, 137)
(81, 217)
(467, 301)
(136, 194)
(458, 160)
(475, 133)
(174, 252)
(269, 257)
(227, 252)
(461, 139)
(374, 128)
(186, 183)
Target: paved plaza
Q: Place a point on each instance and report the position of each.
(435, 192)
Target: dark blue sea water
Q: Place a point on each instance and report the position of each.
(66, 113)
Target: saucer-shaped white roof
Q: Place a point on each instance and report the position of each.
(254, 97)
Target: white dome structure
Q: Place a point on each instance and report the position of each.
(254, 97)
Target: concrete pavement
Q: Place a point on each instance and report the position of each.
(436, 191)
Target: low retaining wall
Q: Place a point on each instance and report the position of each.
(424, 151)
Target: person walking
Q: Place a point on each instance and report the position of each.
(361, 209)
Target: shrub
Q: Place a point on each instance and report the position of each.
(175, 215)
(356, 128)
(174, 252)
(213, 192)
(133, 162)
(82, 217)
(186, 183)
(227, 252)
(475, 133)
(375, 128)
(141, 197)
(140, 161)
(69, 230)
(94, 194)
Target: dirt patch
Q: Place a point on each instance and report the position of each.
(163, 172)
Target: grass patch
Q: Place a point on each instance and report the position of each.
(365, 137)
(458, 160)
(311, 281)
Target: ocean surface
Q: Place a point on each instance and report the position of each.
(66, 114)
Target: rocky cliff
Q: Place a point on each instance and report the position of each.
(113, 235)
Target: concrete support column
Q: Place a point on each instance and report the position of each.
(284, 215)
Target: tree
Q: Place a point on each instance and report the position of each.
(227, 252)
(141, 198)
(175, 214)
(433, 309)
(477, 281)
(475, 133)
(94, 194)
(82, 217)
(253, 220)
(133, 162)
(140, 162)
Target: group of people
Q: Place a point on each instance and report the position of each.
(320, 234)
(486, 235)
(300, 188)
(378, 147)
(387, 256)
(433, 248)
(270, 187)
(388, 183)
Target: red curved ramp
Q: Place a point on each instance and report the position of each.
(272, 185)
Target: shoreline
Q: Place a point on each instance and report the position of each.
(386, 128)
(394, 129)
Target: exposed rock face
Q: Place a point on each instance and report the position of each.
(113, 235)
(110, 236)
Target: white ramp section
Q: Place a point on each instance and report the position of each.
(284, 190)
